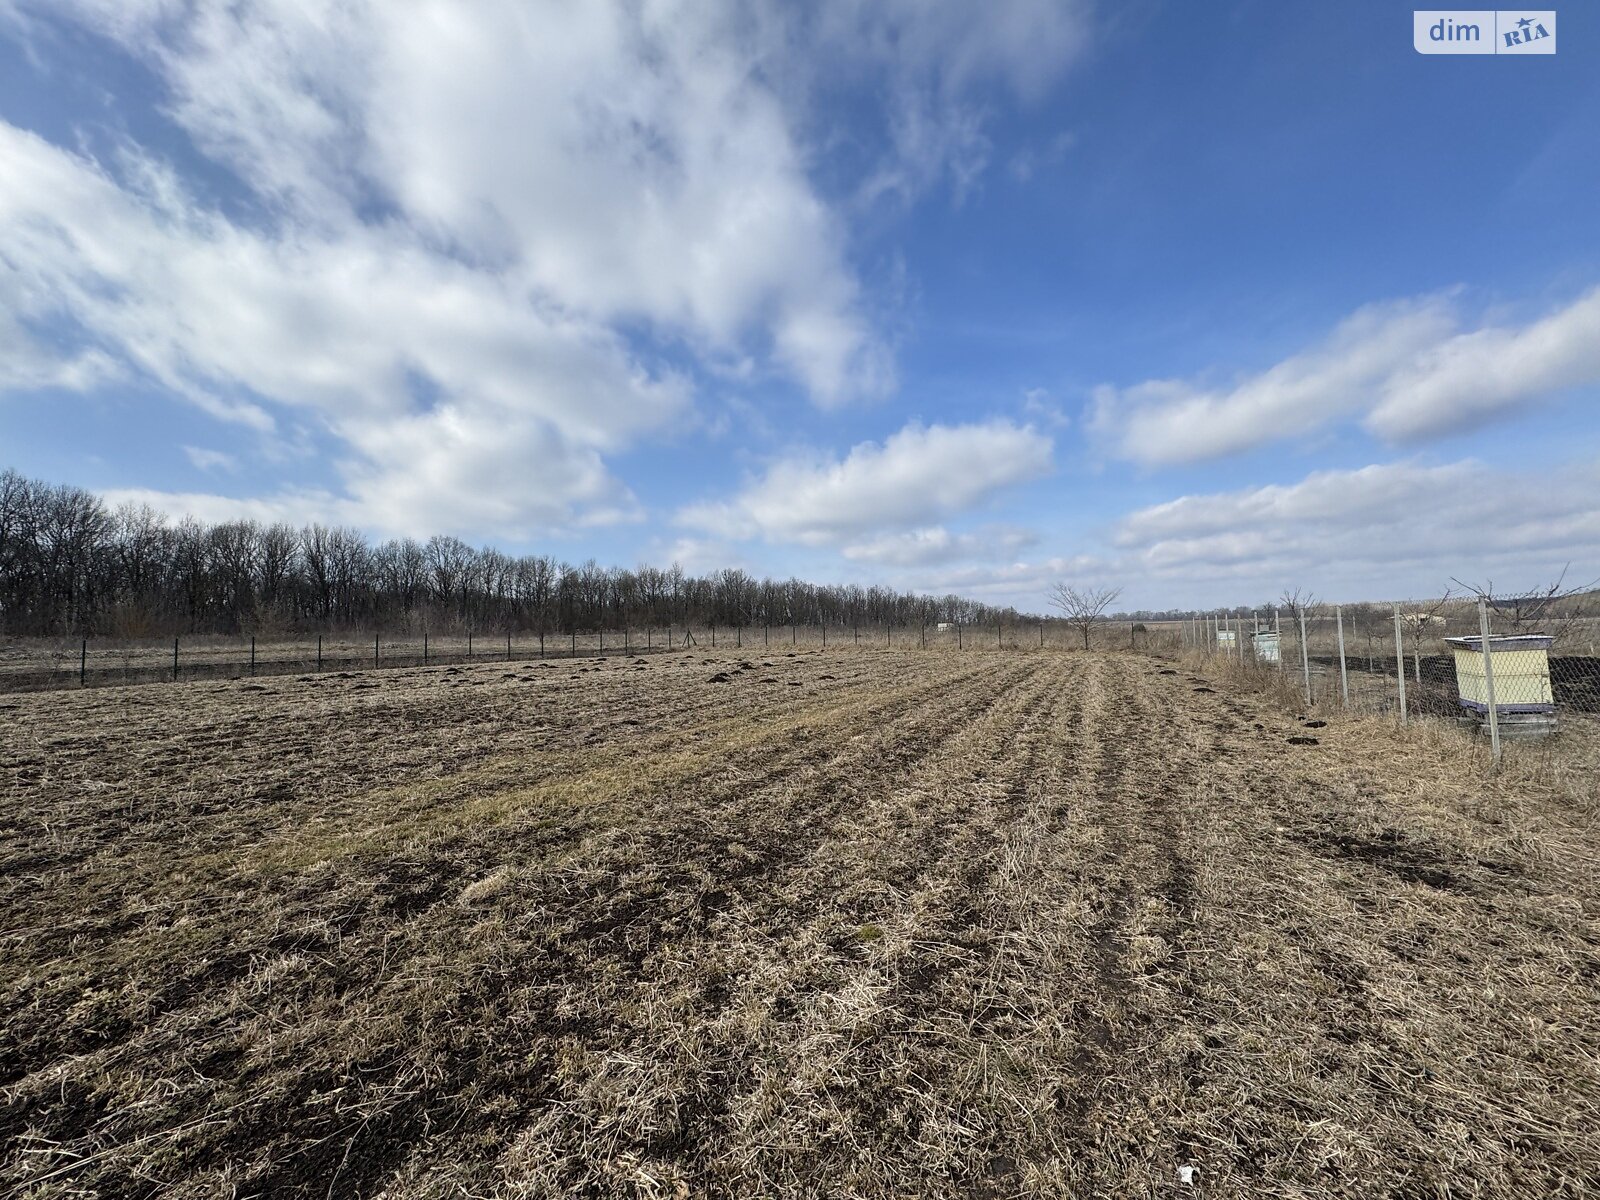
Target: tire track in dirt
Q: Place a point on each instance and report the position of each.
(808, 972)
(1136, 773)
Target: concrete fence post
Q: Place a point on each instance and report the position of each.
(1488, 679)
(1344, 678)
(1400, 664)
(1305, 657)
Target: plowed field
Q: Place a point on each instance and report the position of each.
(842, 924)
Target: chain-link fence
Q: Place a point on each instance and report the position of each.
(1514, 668)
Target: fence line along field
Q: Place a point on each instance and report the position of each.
(42, 663)
(783, 923)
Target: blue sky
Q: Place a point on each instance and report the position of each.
(1205, 301)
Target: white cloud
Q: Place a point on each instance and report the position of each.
(619, 163)
(1040, 405)
(919, 474)
(1405, 366)
(932, 60)
(299, 507)
(27, 362)
(1174, 421)
(210, 460)
(1474, 377)
(461, 238)
(1377, 532)
(936, 544)
(440, 379)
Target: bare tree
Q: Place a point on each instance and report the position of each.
(1552, 608)
(1082, 607)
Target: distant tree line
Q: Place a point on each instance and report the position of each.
(71, 564)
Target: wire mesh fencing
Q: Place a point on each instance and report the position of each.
(1504, 667)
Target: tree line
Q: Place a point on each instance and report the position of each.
(71, 564)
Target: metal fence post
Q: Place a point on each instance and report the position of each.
(83, 664)
(1344, 678)
(1400, 664)
(1488, 679)
(252, 655)
(469, 643)
(508, 645)
(1305, 657)
(174, 659)
(958, 636)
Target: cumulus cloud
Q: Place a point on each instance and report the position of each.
(1403, 526)
(1407, 369)
(1474, 377)
(442, 381)
(920, 474)
(462, 238)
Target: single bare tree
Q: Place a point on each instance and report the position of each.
(1082, 607)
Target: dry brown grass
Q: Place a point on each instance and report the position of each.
(846, 925)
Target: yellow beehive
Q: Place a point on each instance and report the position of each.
(1521, 673)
